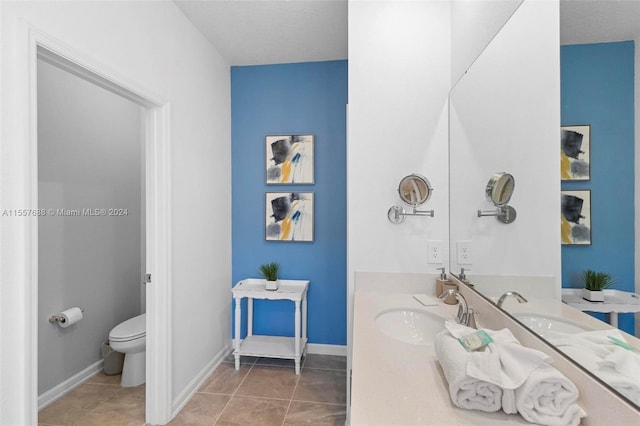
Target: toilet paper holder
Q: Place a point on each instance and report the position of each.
(59, 318)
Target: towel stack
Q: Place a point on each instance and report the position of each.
(596, 351)
(507, 376)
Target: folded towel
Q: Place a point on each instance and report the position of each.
(618, 367)
(623, 361)
(547, 397)
(621, 369)
(597, 342)
(465, 392)
(504, 362)
(628, 387)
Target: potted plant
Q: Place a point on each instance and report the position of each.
(269, 271)
(594, 283)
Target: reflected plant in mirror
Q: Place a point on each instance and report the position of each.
(594, 284)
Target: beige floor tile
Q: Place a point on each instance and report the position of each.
(225, 379)
(269, 382)
(111, 418)
(128, 403)
(202, 410)
(244, 411)
(315, 413)
(326, 362)
(76, 404)
(322, 386)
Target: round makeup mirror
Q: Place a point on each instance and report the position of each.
(415, 190)
(500, 188)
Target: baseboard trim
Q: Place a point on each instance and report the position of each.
(322, 349)
(68, 385)
(193, 386)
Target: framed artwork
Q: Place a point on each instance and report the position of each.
(289, 159)
(289, 216)
(575, 152)
(576, 217)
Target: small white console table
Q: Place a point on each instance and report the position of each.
(271, 346)
(615, 302)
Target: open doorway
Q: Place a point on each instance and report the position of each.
(91, 245)
(150, 224)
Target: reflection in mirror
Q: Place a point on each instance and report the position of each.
(599, 42)
(500, 188)
(605, 351)
(499, 191)
(491, 123)
(504, 115)
(473, 25)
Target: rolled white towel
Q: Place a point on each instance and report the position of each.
(547, 397)
(465, 392)
(504, 361)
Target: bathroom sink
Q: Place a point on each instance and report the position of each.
(545, 325)
(410, 326)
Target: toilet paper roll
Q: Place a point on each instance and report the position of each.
(70, 317)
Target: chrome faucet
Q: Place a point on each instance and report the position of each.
(465, 315)
(515, 294)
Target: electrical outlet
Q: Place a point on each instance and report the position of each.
(464, 253)
(434, 249)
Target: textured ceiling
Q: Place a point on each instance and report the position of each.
(592, 21)
(249, 32)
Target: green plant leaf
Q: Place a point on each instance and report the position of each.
(597, 281)
(269, 271)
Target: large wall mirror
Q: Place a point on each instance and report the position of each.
(506, 115)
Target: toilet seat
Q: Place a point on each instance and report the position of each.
(131, 329)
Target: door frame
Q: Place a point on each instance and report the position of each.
(24, 193)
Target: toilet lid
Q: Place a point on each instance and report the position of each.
(131, 329)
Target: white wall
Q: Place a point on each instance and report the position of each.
(505, 116)
(89, 157)
(399, 70)
(153, 46)
(473, 25)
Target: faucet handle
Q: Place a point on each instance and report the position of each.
(471, 319)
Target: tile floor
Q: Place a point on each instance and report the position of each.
(263, 392)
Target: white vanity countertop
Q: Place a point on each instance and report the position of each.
(396, 383)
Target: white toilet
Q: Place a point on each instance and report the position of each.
(130, 338)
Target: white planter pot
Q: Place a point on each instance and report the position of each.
(593, 296)
(271, 285)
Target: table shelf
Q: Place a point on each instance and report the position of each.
(271, 346)
(615, 302)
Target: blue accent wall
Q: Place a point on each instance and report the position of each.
(300, 98)
(597, 88)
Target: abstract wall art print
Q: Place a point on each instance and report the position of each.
(289, 159)
(575, 152)
(289, 216)
(576, 217)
